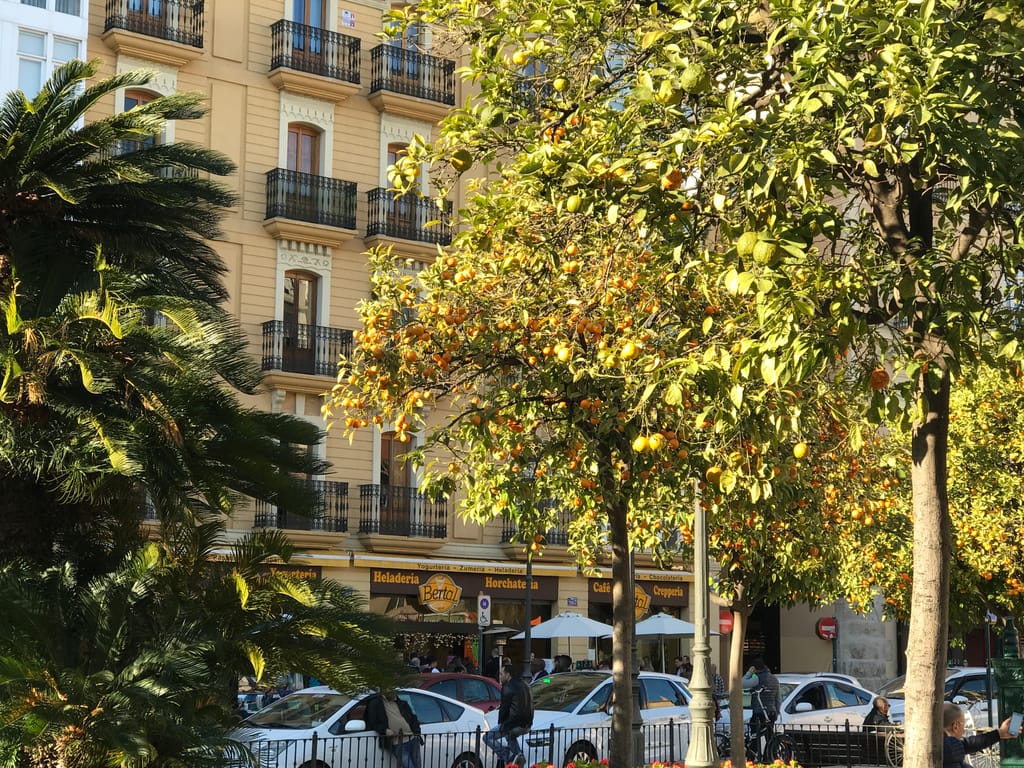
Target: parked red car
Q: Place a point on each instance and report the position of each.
(474, 690)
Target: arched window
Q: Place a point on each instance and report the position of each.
(299, 315)
(132, 99)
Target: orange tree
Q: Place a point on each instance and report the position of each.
(761, 192)
(586, 344)
(985, 489)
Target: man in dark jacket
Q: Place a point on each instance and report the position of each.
(878, 716)
(956, 746)
(515, 717)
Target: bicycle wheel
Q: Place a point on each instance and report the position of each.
(894, 749)
(781, 748)
(986, 758)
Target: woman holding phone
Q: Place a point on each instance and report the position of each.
(956, 746)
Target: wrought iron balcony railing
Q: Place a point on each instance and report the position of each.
(408, 217)
(412, 74)
(316, 199)
(557, 535)
(330, 513)
(314, 50)
(179, 21)
(401, 511)
(299, 348)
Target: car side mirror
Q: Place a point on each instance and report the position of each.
(804, 706)
(354, 726)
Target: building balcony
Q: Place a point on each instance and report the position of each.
(314, 62)
(309, 208)
(401, 519)
(409, 223)
(514, 543)
(165, 31)
(329, 513)
(312, 350)
(410, 83)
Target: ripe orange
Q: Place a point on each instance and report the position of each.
(879, 379)
(800, 450)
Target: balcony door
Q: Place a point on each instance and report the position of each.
(401, 211)
(149, 16)
(395, 487)
(404, 59)
(304, 159)
(300, 318)
(307, 39)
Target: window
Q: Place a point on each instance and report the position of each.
(303, 149)
(153, 9)
(34, 3)
(300, 316)
(661, 693)
(401, 210)
(31, 58)
(306, 43)
(35, 62)
(395, 486)
(72, 7)
(134, 99)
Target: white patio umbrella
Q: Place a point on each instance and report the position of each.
(662, 625)
(567, 625)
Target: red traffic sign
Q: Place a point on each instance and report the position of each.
(827, 628)
(724, 621)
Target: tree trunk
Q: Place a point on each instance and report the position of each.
(740, 615)
(623, 618)
(927, 639)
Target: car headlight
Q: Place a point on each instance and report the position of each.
(541, 740)
(266, 752)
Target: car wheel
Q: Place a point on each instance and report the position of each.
(467, 760)
(315, 764)
(581, 752)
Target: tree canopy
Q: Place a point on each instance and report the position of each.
(705, 220)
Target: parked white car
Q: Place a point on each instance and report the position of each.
(322, 728)
(578, 706)
(966, 686)
(815, 699)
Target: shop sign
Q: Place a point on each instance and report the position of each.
(440, 593)
(642, 601)
(395, 581)
(659, 594)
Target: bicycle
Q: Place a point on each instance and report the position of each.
(763, 744)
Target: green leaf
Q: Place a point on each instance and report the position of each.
(768, 371)
(736, 395)
(673, 394)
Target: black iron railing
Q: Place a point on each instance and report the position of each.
(299, 348)
(180, 21)
(401, 511)
(305, 197)
(557, 535)
(408, 217)
(413, 74)
(314, 50)
(329, 513)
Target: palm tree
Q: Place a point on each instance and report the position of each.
(101, 407)
(139, 666)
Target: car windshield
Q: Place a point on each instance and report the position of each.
(563, 692)
(299, 711)
(894, 688)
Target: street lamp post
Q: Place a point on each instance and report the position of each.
(701, 751)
